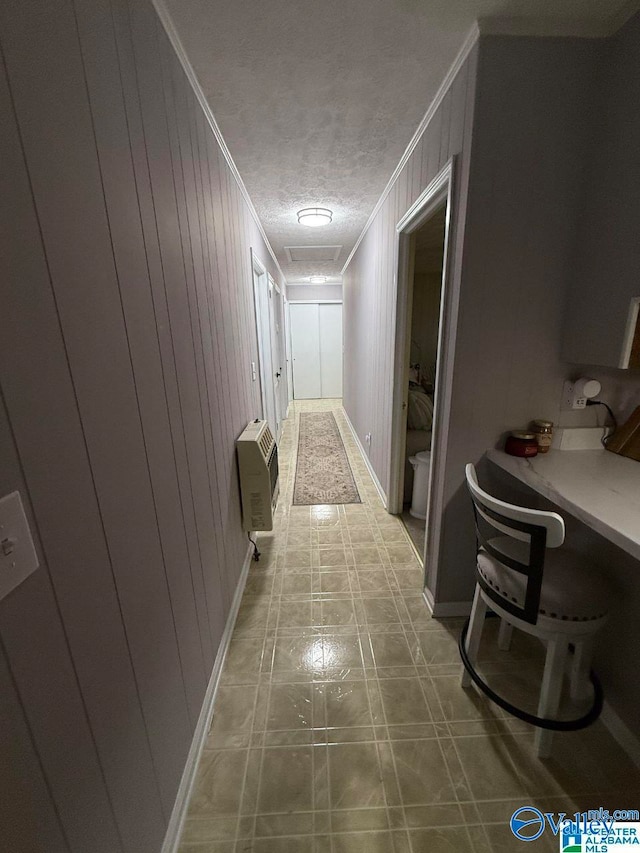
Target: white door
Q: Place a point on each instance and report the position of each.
(261, 288)
(316, 346)
(275, 354)
(331, 350)
(305, 350)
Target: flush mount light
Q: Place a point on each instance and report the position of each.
(317, 279)
(315, 216)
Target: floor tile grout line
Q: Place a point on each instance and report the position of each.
(410, 625)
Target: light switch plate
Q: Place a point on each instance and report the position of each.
(18, 558)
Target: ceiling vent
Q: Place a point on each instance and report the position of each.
(312, 254)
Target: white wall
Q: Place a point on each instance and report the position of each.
(125, 377)
(369, 280)
(314, 291)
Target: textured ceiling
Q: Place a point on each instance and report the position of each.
(318, 100)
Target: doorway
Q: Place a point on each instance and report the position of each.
(424, 323)
(316, 349)
(269, 350)
(421, 379)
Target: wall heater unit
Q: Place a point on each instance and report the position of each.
(258, 467)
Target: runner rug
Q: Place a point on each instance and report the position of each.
(323, 473)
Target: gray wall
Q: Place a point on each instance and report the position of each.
(512, 243)
(314, 291)
(532, 132)
(606, 270)
(125, 353)
(529, 151)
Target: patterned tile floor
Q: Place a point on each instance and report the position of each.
(415, 527)
(340, 725)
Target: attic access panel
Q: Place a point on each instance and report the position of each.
(312, 254)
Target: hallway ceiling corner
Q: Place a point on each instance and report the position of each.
(318, 102)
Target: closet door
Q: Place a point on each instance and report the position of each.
(330, 316)
(305, 350)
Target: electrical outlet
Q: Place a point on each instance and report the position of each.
(570, 401)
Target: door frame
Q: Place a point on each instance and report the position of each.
(276, 375)
(258, 271)
(288, 353)
(439, 191)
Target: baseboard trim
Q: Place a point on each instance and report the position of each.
(619, 730)
(446, 609)
(373, 474)
(179, 812)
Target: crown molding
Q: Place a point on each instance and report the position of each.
(174, 38)
(458, 62)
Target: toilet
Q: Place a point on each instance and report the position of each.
(421, 464)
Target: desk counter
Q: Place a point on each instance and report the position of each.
(599, 488)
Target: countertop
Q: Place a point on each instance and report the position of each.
(600, 488)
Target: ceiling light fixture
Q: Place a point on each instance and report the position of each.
(315, 216)
(317, 279)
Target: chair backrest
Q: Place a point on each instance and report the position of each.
(537, 528)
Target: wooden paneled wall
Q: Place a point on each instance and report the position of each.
(125, 349)
(515, 116)
(369, 291)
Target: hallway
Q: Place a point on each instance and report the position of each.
(340, 725)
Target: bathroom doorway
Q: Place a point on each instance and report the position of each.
(422, 366)
(428, 257)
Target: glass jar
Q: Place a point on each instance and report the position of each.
(544, 435)
(521, 444)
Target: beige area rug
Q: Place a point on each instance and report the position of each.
(323, 473)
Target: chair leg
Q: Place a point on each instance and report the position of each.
(474, 634)
(580, 668)
(504, 635)
(550, 692)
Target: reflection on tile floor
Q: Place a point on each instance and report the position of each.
(340, 726)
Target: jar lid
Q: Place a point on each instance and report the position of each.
(529, 436)
(543, 423)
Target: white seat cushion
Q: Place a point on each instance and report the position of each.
(572, 589)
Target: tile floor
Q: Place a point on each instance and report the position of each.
(340, 726)
(415, 528)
